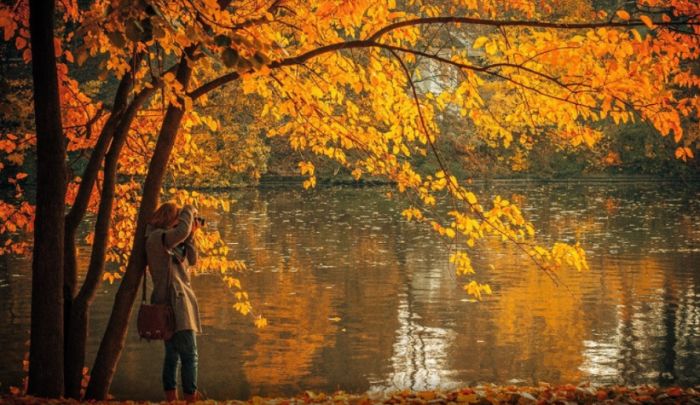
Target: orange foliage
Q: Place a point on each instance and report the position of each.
(346, 82)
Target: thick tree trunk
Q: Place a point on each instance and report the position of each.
(46, 347)
(76, 338)
(115, 335)
(76, 334)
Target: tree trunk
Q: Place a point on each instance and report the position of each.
(77, 211)
(87, 183)
(76, 334)
(70, 262)
(113, 341)
(46, 347)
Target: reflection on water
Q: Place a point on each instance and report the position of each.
(359, 300)
(419, 358)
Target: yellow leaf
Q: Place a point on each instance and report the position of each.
(310, 183)
(260, 322)
(636, 35)
(624, 15)
(316, 92)
(471, 198)
(491, 48)
(306, 168)
(395, 15)
(683, 153)
(647, 21)
(479, 42)
(680, 153)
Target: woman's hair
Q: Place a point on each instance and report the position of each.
(165, 215)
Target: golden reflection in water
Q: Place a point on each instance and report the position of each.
(353, 305)
(547, 331)
(298, 308)
(299, 326)
(561, 318)
(358, 299)
(550, 317)
(302, 303)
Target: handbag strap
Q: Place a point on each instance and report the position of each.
(170, 270)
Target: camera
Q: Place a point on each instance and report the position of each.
(200, 221)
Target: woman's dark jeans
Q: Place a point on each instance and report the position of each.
(182, 346)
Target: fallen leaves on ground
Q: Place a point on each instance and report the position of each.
(482, 394)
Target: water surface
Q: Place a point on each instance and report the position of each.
(357, 299)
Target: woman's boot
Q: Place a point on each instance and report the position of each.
(171, 395)
(189, 398)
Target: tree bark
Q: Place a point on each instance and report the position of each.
(70, 262)
(113, 341)
(87, 183)
(46, 347)
(79, 316)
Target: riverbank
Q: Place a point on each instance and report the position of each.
(483, 394)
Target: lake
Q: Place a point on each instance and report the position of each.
(357, 299)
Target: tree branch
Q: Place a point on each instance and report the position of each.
(372, 41)
(519, 23)
(458, 189)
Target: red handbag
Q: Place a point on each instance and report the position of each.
(156, 321)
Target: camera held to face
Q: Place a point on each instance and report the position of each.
(200, 221)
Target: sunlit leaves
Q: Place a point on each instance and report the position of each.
(111, 277)
(684, 153)
(260, 322)
(15, 222)
(647, 21)
(371, 108)
(562, 254)
(477, 290)
(308, 169)
(412, 213)
(479, 42)
(623, 15)
(462, 263)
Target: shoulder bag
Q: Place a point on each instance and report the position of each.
(156, 321)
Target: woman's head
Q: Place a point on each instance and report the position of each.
(165, 216)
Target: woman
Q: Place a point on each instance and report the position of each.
(170, 248)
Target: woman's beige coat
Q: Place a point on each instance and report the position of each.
(180, 293)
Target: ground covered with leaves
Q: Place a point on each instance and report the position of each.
(483, 394)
